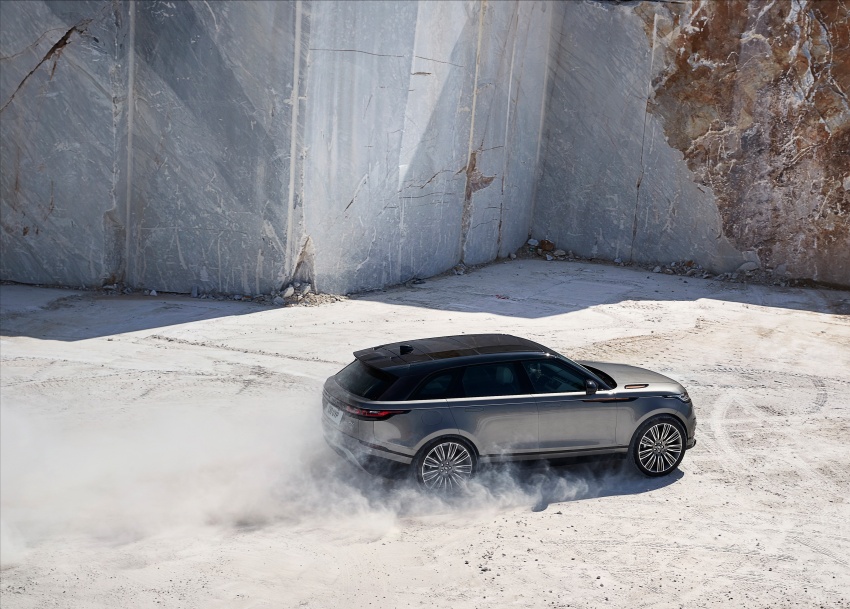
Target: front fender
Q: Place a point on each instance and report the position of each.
(633, 416)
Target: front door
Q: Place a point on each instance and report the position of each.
(569, 419)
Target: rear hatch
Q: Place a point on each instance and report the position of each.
(349, 396)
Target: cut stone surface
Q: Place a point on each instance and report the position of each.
(148, 144)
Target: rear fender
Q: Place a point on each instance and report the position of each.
(408, 432)
(450, 434)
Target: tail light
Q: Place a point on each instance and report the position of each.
(366, 414)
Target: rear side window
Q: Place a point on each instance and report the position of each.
(363, 381)
(437, 387)
(491, 379)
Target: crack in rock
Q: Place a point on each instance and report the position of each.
(54, 51)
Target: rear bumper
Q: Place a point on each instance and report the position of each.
(356, 450)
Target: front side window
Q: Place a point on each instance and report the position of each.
(363, 381)
(551, 376)
(490, 379)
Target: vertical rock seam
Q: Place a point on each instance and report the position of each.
(643, 135)
(293, 144)
(466, 218)
(131, 105)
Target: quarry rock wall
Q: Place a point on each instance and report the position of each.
(237, 146)
(717, 132)
(234, 147)
(422, 129)
(63, 132)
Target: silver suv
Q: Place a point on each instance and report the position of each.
(444, 405)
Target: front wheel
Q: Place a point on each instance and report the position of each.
(445, 465)
(658, 446)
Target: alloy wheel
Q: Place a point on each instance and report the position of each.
(447, 465)
(660, 447)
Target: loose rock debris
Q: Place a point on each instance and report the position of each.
(748, 272)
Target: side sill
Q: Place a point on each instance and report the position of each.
(554, 454)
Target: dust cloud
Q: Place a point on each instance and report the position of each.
(177, 471)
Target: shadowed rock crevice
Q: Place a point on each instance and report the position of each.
(54, 53)
(475, 181)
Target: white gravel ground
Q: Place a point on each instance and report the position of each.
(166, 452)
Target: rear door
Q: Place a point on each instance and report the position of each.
(569, 418)
(493, 404)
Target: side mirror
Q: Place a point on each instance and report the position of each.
(591, 386)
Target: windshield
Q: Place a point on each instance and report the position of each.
(606, 378)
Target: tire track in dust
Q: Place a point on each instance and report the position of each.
(724, 443)
(722, 437)
(821, 396)
(820, 549)
(806, 471)
(771, 373)
(208, 345)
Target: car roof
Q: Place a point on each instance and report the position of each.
(478, 347)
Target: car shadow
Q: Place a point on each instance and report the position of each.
(537, 483)
(602, 477)
(566, 480)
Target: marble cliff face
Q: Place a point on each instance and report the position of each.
(235, 147)
(755, 96)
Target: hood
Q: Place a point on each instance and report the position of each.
(624, 375)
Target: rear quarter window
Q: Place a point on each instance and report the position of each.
(438, 386)
(363, 381)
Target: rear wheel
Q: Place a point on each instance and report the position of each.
(445, 465)
(658, 446)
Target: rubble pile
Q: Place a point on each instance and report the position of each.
(295, 293)
(748, 272)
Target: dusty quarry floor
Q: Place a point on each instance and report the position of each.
(166, 452)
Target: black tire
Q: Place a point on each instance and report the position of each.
(658, 446)
(445, 465)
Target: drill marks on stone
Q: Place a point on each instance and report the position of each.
(643, 135)
(358, 51)
(449, 63)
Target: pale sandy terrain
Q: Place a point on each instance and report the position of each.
(166, 452)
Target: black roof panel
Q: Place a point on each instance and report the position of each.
(445, 347)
